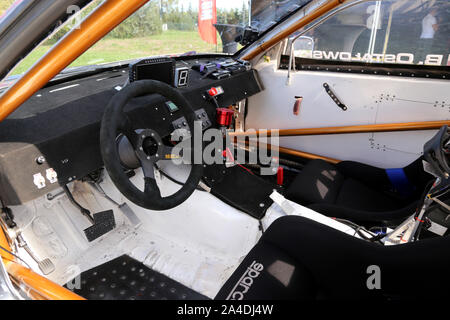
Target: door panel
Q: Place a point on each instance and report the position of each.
(392, 35)
(370, 100)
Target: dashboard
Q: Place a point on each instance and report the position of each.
(53, 138)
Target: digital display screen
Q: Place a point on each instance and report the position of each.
(162, 71)
(182, 77)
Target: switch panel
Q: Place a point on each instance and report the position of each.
(203, 116)
(200, 115)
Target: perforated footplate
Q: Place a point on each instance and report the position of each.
(127, 279)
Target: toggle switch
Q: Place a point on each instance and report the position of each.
(51, 175)
(39, 180)
(215, 91)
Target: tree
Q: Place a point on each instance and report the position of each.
(4, 5)
(144, 22)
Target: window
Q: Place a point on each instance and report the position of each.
(414, 32)
(165, 27)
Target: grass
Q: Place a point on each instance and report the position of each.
(111, 50)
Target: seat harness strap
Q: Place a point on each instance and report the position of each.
(400, 181)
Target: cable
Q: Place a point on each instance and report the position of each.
(440, 192)
(261, 227)
(16, 256)
(173, 179)
(84, 211)
(206, 75)
(423, 197)
(215, 102)
(12, 253)
(443, 205)
(246, 169)
(358, 229)
(228, 153)
(426, 195)
(100, 190)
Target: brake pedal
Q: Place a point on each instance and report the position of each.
(104, 222)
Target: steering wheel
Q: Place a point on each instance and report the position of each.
(147, 146)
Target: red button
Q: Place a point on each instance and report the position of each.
(213, 92)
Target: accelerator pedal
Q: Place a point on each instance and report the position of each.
(127, 279)
(104, 222)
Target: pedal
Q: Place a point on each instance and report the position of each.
(46, 266)
(104, 222)
(129, 213)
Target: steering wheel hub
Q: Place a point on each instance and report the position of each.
(149, 145)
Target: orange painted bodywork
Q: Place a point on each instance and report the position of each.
(98, 24)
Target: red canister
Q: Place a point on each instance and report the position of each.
(224, 117)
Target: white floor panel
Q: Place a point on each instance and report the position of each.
(199, 243)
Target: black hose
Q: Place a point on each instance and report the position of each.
(358, 230)
(173, 179)
(84, 211)
(419, 208)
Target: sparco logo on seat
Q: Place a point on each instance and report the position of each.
(246, 281)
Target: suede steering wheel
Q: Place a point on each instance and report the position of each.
(115, 122)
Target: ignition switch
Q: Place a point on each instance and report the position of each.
(215, 91)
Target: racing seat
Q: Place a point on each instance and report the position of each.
(297, 258)
(359, 192)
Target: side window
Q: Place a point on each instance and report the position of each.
(389, 32)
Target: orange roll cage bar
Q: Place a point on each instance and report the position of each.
(385, 127)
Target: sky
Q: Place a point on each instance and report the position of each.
(222, 4)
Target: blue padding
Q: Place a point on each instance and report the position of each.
(400, 181)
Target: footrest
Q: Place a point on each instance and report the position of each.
(127, 279)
